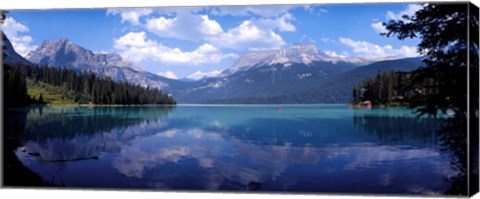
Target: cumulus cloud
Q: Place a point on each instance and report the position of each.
(370, 50)
(131, 15)
(248, 36)
(379, 27)
(135, 46)
(15, 31)
(334, 54)
(323, 10)
(315, 9)
(282, 23)
(307, 39)
(390, 15)
(326, 39)
(189, 24)
(409, 11)
(184, 25)
(262, 11)
(168, 74)
(200, 75)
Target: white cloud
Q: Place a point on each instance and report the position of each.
(315, 10)
(410, 11)
(282, 23)
(188, 24)
(131, 15)
(185, 25)
(307, 39)
(199, 74)
(269, 10)
(248, 36)
(326, 39)
(15, 32)
(168, 74)
(101, 52)
(334, 54)
(370, 50)
(135, 46)
(379, 27)
(263, 11)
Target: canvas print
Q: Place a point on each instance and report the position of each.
(374, 98)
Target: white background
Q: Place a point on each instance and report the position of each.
(90, 194)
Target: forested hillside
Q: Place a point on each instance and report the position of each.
(337, 89)
(83, 88)
(15, 87)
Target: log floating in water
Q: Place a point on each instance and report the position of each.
(75, 159)
(34, 154)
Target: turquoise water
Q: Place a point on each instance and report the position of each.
(301, 148)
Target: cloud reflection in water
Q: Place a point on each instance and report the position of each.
(193, 151)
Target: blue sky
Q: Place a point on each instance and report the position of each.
(193, 42)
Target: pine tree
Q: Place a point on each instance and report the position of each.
(442, 86)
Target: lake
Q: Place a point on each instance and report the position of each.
(300, 148)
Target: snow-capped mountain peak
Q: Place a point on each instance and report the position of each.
(64, 53)
(246, 61)
(297, 53)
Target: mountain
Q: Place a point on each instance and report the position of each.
(295, 74)
(9, 54)
(295, 54)
(265, 74)
(339, 88)
(63, 53)
(334, 90)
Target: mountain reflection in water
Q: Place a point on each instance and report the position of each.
(315, 148)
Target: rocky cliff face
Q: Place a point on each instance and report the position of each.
(295, 54)
(64, 53)
(8, 52)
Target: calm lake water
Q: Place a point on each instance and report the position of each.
(302, 148)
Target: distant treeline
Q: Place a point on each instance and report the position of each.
(330, 96)
(411, 88)
(386, 88)
(86, 87)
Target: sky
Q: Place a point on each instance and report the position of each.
(194, 42)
